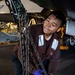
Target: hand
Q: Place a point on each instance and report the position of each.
(38, 72)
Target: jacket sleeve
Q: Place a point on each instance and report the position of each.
(15, 49)
(31, 66)
(54, 61)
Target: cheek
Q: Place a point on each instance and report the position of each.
(45, 23)
(54, 30)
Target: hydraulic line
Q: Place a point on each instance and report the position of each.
(21, 18)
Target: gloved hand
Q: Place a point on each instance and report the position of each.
(38, 72)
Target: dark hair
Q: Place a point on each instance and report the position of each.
(60, 15)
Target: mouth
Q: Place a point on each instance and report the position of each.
(46, 29)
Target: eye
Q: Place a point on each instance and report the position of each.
(48, 19)
(53, 24)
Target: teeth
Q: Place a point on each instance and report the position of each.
(46, 28)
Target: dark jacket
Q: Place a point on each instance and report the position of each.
(50, 53)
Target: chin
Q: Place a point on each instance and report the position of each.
(46, 33)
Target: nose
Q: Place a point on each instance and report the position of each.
(49, 25)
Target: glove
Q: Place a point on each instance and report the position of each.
(38, 72)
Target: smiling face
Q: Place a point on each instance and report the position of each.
(51, 25)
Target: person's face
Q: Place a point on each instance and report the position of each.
(51, 25)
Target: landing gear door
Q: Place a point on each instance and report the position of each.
(70, 27)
